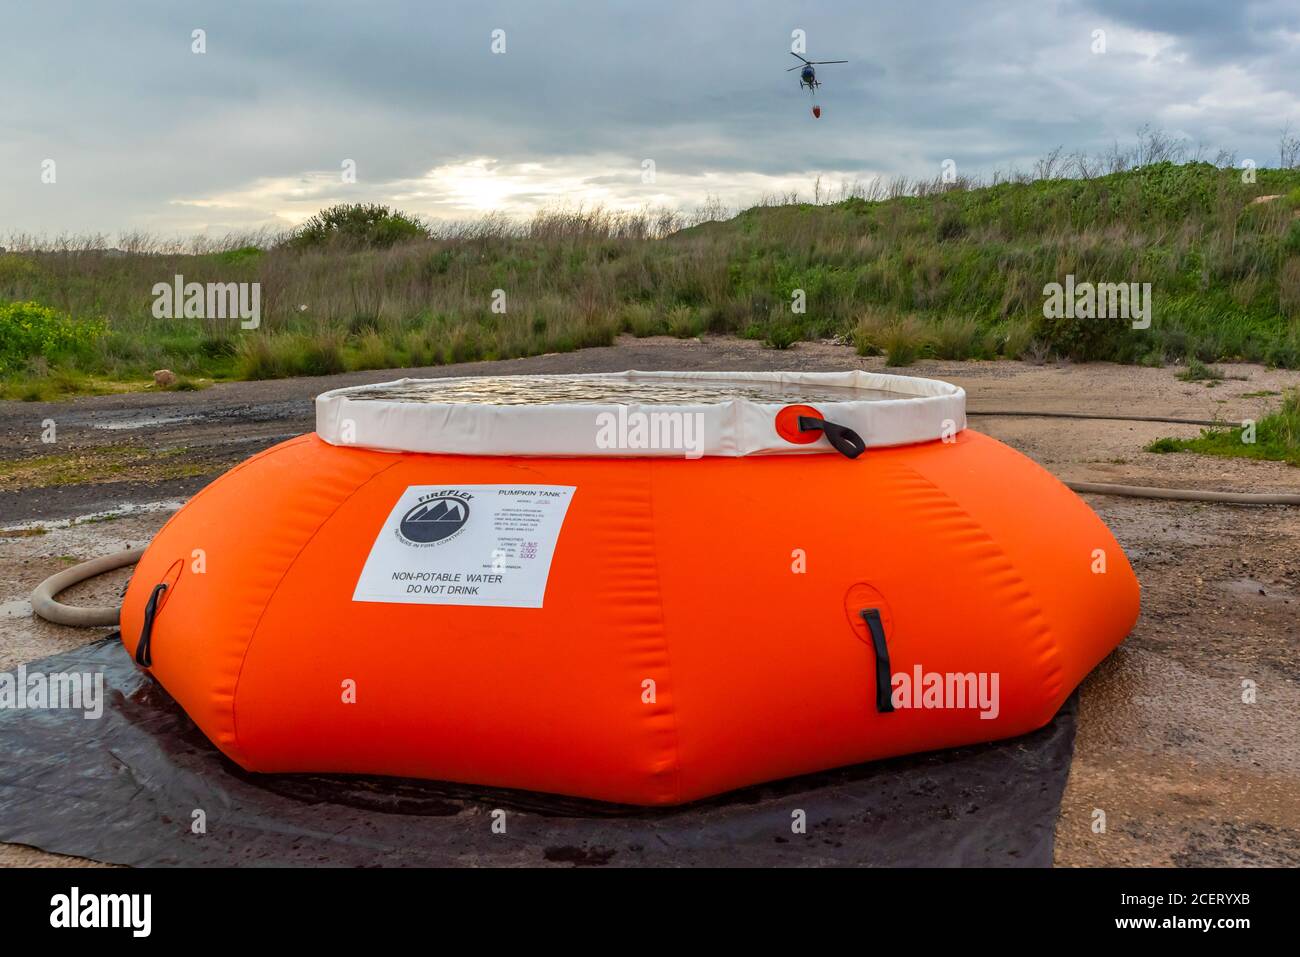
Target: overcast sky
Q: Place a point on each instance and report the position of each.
(146, 134)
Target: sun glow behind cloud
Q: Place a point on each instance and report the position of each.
(476, 187)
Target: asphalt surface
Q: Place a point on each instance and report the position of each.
(1188, 747)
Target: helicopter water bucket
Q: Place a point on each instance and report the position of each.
(817, 112)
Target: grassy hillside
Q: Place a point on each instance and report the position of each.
(956, 273)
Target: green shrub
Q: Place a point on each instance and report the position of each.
(956, 338)
(781, 335)
(904, 341)
(950, 226)
(869, 333)
(420, 349)
(373, 351)
(684, 322)
(462, 343)
(357, 225)
(216, 347)
(641, 320)
(48, 388)
(363, 324)
(1291, 244)
(280, 356)
(1198, 371)
(182, 384)
(16, 269)
(322, 354)
(1082, 338)
(29, 330)
(1164, 445)
(231, 257)
(1276, 438)
(1284, 353)
(1017, 338)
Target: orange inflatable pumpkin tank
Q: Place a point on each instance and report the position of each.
(643, 588)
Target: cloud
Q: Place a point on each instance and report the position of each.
(147, 134)
(1213, 31)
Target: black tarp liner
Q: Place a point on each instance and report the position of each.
(122, 790)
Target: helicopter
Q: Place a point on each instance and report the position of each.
(808, 76)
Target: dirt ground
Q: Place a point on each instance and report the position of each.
(1188, 750)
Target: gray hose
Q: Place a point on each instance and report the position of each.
(43, 602)
(1187, 494)
(1116, 418)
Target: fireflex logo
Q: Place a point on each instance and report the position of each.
(435, 518)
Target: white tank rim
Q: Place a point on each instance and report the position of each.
(925, 410)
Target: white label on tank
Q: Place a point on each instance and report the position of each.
(466, 545)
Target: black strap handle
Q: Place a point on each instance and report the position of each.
(847, 442)
(884, 678)
(143, 653)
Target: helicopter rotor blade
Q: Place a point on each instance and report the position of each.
(792, 53)
(794, 68)
(819, 62)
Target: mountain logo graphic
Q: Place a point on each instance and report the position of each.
(434, 520)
